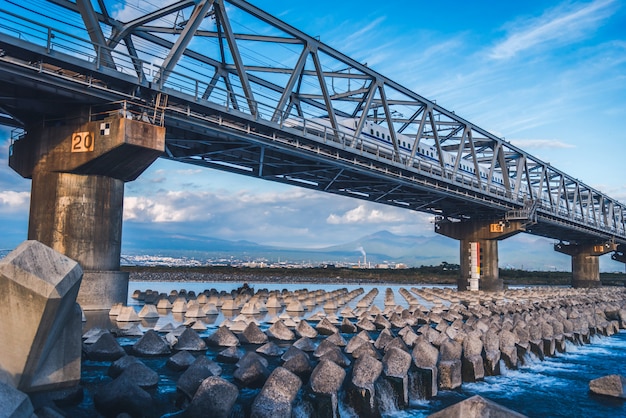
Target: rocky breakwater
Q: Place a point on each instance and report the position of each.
(352, 356)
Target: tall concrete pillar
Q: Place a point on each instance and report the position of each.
(488, 258)
(78, 169)
(585, 261)
(486, 234)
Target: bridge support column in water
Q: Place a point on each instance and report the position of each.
(585, 261)
(78, 167)
(486, 234)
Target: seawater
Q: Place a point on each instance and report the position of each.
(555, 387)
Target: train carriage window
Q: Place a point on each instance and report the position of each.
(388, 138)
(371, 132)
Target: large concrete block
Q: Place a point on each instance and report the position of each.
(476, 407)
(40, 331)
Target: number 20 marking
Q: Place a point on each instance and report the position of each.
(82, 142)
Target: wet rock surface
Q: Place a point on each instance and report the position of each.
(613, 385)
(215, 397)
(151, 344)
(122, 395)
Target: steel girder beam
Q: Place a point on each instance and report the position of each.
(92, 26)
(200, 11)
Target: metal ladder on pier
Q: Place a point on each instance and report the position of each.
(160, 104)
(528, 214)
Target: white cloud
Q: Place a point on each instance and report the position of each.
(362, 214)
(560, 26)
(293, 217)
(355, 40)
(617, 193)
(541, 143)
(190, 171)
(365, 31)
(128, 11)
(271, 198)
(14, 200)
(170, 207)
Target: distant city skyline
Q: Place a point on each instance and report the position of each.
(549, 79)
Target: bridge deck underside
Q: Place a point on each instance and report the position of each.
(309, 166)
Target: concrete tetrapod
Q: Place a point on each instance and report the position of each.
(396, 365)
(41, 345)
(362, 392)
(326, 381)
(476, 407)
(277, 395)
(214, 398)
(425, 357)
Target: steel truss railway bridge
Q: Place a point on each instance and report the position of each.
(223, 84)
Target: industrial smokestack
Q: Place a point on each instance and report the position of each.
(364, 256)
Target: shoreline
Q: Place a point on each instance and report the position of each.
(292, 280)
(425, 275)
(293, 276)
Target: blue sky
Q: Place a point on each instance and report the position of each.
(548, 76)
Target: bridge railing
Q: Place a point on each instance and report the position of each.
(127, 108)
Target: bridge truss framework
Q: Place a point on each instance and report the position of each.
(228, 81)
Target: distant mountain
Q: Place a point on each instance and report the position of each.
(522, 251)
(381, 247)
(527, 252)
(384, 246)
(151, 239)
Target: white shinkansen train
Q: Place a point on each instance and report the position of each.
(377, 139)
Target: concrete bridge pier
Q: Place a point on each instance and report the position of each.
(78, 167)
(585, 261)
(486, 234)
